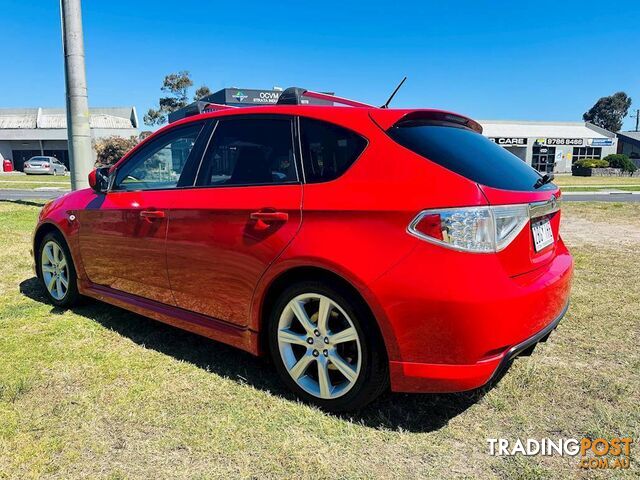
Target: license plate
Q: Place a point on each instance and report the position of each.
(542, 234)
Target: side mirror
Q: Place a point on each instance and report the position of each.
(99, 179)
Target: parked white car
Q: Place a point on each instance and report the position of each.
(44, 166)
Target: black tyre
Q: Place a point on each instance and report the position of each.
(326, 347)
(56, 270)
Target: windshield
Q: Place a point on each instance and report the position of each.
(38, 160)
(467, 153)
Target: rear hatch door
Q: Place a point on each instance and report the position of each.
(455, 142)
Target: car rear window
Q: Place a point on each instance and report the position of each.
(467, 153)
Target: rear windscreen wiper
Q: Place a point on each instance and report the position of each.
(546, 178)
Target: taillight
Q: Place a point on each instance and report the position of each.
(45, 165)
(472, 229)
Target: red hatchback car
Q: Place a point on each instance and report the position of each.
(360, 248)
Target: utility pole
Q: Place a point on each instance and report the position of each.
(78, 131)
(637, 118)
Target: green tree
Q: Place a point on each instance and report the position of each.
(111, 149)
(176, 88)
(201, 92)
(608, 112)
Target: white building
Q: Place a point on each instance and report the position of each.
(551, 146)
(27, 132)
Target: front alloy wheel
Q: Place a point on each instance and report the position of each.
(56, 270)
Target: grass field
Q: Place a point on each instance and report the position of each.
(569, 180)
(569, 183)
(624, 188)
(101, 393)
(24, 182)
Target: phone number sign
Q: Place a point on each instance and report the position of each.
(560, 141)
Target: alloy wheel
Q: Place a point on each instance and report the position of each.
(319, 346)
(55, 270)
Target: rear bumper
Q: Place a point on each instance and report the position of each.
(441, 378)
(453, 320)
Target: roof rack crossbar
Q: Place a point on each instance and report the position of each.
(335, 99)
(205, 107)
(293, 96)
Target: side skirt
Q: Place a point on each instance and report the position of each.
(212, 328)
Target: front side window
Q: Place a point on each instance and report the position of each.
(250, 151)
(159, 164)
(327, 149)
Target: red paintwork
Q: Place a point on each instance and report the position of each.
(216, 253)
(206, 262)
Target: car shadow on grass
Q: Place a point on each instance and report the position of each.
(27, 203)
(392, 411)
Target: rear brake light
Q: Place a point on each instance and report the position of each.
(45, 165)
(472, 229)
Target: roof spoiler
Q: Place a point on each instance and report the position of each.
(386, 119)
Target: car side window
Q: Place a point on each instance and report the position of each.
(250, 151)
(328, 150)
(160, 163)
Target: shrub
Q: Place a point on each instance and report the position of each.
(111, 149)
(621, 161)
(592, 163)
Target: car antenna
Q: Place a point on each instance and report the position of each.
(386, 105)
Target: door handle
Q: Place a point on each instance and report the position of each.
(268, 217)
(151, 214)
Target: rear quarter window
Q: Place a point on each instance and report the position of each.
(467, 153)
(328, 150)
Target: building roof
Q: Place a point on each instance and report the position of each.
(504, 128)
(630, 137)
(51, 123)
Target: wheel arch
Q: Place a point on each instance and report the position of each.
(313, 273)
(40, 233)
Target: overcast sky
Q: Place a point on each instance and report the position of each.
(492, 60)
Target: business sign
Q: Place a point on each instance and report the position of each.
(509, 141)
(251, 97)
(601, 142)
(563, 141)
(248, 97)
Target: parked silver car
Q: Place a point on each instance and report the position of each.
(44, 166)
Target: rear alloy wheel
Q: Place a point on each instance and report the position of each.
(56, 270)
(321, 351)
